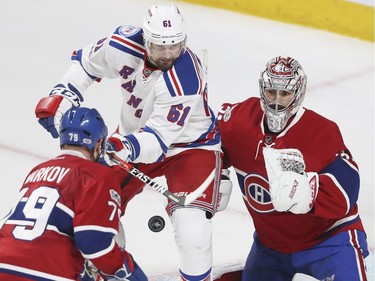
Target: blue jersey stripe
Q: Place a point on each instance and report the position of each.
(347, 177)
(162, 144)
(84, 238)
(125, 49)
(183, 78)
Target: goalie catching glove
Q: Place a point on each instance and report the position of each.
(51, 109)
(291, 188)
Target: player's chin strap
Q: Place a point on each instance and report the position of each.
(180, 200)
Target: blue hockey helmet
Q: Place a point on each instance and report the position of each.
(82, 126)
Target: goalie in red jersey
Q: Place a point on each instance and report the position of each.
(299, 182)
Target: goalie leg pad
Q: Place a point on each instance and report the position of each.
(193, 236)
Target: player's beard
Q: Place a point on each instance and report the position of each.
(164, 64)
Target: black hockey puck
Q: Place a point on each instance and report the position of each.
(156, 223)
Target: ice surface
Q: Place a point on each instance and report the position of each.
(37, 38)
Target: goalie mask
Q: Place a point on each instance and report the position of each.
(282, 90)
(164, 35)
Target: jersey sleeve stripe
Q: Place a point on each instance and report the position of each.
(100, 253)
(127, 46)
(346, 177)
(31, 274)
(162, 144)
(340, 188)
(95, 228)
(85, 235)
(173, 83)
(184, 77)
(135, 147)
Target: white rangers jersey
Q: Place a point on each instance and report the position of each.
(163, 113)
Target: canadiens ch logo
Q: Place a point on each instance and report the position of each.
(257, 194)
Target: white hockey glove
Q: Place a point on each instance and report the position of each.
(225, 190)
(51, 109)
(291, 189)
(118, 145)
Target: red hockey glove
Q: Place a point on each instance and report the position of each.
(51, 109)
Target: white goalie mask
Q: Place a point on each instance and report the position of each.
(164, 26)
(282, 90)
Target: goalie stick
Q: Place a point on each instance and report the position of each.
(180, 200)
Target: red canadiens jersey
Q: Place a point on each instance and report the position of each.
(67, 210)
(243, 135)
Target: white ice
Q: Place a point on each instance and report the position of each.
(38, 37)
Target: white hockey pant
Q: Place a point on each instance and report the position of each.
(193, 235)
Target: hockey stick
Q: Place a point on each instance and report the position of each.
(181, 201)
(204, 54)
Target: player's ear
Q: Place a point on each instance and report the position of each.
(98, 150)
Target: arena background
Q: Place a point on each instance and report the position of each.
(351, 18)
(39, 36)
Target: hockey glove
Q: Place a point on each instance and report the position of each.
(225, 190)
(51, 109)
(293, 192)
(90, 272)
(118, 145)
(129, 271)
(291, 188)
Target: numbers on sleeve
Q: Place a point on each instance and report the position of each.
(114, 211)
(37, 210)
(177, 114)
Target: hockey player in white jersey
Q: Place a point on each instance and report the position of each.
(166, 125)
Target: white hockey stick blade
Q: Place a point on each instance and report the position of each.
(204, 54)
(199, 191)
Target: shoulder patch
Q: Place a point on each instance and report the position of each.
(225, 111)
(128, 30)
(115, 196)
